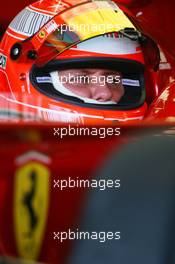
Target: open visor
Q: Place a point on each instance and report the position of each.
(45, 80)
(70, 27)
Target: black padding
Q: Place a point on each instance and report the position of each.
(143, 209)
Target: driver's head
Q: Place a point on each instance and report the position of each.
(72, 74)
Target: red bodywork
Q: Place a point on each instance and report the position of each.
(78, 156)
(69, 157)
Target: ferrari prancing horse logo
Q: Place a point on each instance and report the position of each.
(31, 201)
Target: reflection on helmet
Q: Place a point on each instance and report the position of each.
(72, 63)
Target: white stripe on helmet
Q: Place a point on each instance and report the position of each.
(110, 45)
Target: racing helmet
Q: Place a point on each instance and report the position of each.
(49, 38)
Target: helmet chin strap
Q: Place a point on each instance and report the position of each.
(60, 88)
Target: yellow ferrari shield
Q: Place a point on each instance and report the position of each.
(31, 201)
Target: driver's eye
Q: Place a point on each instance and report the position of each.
(84, 79)
(113, 80)
(79, 79)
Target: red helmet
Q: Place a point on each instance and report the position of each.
(49, 38)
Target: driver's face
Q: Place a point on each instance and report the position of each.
(98, 84)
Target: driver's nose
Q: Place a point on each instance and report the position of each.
(101, 93)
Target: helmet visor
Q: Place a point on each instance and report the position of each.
(76, 25)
